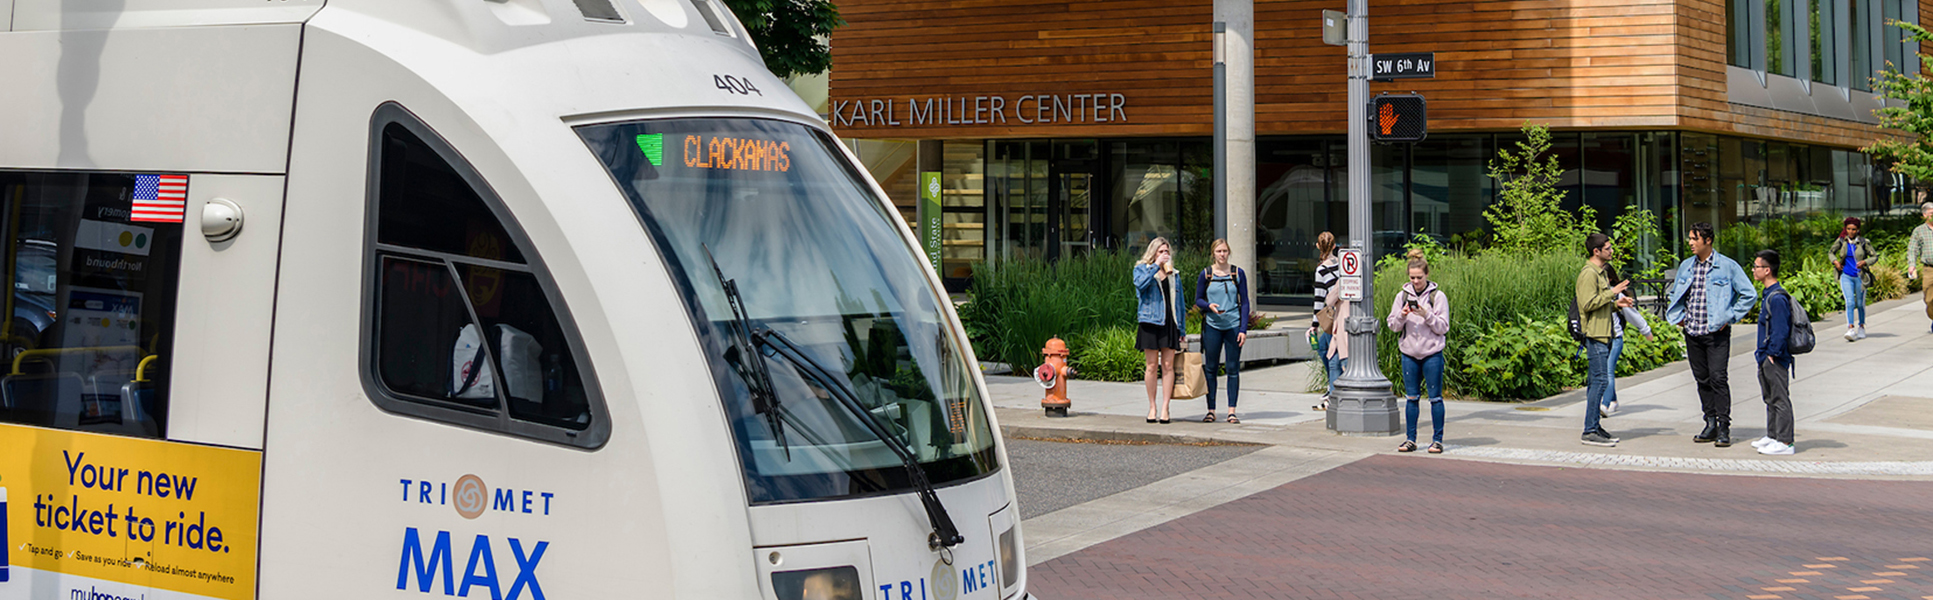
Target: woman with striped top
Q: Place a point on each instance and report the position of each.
(1326, 275)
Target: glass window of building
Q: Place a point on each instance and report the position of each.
(1017, 176)
(1389, 186)
(1147, 192)
(1610, 162)
(1449, 186)
(1777, 55)
(963, 208)
(1859, 63)
(1292, 207)
(1822, 20)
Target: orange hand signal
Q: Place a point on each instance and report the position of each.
(1387, 117)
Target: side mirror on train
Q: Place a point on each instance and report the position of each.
(221, 220)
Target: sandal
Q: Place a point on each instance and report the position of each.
(1407, 447)
(1436, 447)
(1210, 418)
(1232, 419)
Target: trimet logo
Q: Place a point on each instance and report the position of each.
(472, 497)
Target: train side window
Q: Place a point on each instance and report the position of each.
(464, 325)
(96, 264)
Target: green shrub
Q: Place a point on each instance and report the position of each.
(1485, 292)
(1666, 346)
(1107, 354)
(1520, 358)
(1015, 306)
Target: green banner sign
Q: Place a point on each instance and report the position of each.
(929, 213)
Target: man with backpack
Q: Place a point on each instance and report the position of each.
(1596, 300)
(1708, 295)
(1779, 319)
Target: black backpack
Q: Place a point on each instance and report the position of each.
(1577, 323)
(1801, 340)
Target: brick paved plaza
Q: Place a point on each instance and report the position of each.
(1433, 528)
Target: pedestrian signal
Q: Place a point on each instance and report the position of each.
(1398, 118)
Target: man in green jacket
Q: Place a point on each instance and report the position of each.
(1596, 300)
(1919, 256)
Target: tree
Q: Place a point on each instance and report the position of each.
(1529, 216)
(1911, 154)
(790, 34)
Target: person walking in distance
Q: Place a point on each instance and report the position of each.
(1327, 269)
(1160, 314)
(1421, 315)
(1919, 256)
(1709, 293)
(1774, 356)
(1221, 292)
(1597, 302)
(1852, 258)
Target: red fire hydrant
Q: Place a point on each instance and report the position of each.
(1052, 374)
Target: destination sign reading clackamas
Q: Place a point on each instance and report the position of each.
(114, 515)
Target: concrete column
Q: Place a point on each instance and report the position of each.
(1235, 132)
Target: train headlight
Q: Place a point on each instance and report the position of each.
(1009, 560)
(836, 583)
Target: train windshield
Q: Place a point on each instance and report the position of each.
(817, 259)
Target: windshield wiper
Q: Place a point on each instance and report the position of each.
(743, 357)
(945, 534)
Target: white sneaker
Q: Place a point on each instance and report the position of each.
(1852, 333)
(1775, 448)
(1608, 409)
(1761, 442)
(1862, 332)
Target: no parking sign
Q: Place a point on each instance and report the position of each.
(1351, 274)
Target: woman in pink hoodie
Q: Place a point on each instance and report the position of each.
(1421, 316)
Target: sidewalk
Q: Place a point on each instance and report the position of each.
(1863, 409)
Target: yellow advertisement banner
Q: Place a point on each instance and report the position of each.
(166, 515)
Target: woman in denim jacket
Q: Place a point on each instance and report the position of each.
(1161, 321)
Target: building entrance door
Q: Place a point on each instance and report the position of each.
(1070, 204)
(1044, 198)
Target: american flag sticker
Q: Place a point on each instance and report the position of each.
(160, 198)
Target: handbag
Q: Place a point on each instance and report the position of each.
(1190, 381)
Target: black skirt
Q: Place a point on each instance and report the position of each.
(1158, 337)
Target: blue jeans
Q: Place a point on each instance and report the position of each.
(1617, 350)
(1597, 385)
(1330, 365)
(1425, 374)
(1213, 343)
(1854, 289)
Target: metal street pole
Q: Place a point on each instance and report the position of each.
(1363, 403)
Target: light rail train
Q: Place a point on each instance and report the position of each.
(506, 299)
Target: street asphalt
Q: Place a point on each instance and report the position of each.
(1052, 475)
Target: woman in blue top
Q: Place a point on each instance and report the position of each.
(1852, 257)
(1160, 315)
(1221, 293)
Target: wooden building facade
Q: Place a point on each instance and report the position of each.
(1058, 126)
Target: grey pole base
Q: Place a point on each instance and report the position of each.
(1369, 411)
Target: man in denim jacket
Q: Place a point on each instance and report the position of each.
(1709, 294)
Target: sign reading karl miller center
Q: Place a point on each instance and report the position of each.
(1031, 109)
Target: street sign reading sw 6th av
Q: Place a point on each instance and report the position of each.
(1408, 65)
